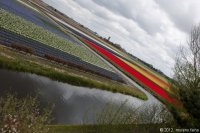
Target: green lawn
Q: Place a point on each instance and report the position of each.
(137, 128)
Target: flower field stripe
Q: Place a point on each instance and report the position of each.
(150, 84)
(150, 71)
(141, 66)
(21, 26)
(153, 75)
(148, 75)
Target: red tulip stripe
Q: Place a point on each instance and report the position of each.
(147, 82)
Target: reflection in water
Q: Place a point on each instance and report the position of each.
(72, 104)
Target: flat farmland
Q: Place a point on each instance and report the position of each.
(28, 29)
(140, 72)
(144, 70)
(158, 78)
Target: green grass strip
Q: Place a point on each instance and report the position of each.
(21, 65)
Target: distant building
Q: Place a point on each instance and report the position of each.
(109, 38)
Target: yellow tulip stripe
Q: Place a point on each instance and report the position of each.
(150, 70)
(136, 62)
(153, 78)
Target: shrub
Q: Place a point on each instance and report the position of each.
(22, 47)
(23, 115)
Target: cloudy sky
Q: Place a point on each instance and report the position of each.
(149, 29)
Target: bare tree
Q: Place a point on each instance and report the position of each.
(187, 74)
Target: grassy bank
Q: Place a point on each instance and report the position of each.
(12, 60)
(131, 128)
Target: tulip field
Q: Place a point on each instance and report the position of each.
(141, 66)
(135, 65)
(34, 16)
(28, 29)
(155, 79)
(33, 26)
(150, 82)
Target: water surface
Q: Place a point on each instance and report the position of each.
(73, 105)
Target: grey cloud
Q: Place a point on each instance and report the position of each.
(184, 13)
(118, 7)
(143, 28)
(135, 10)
